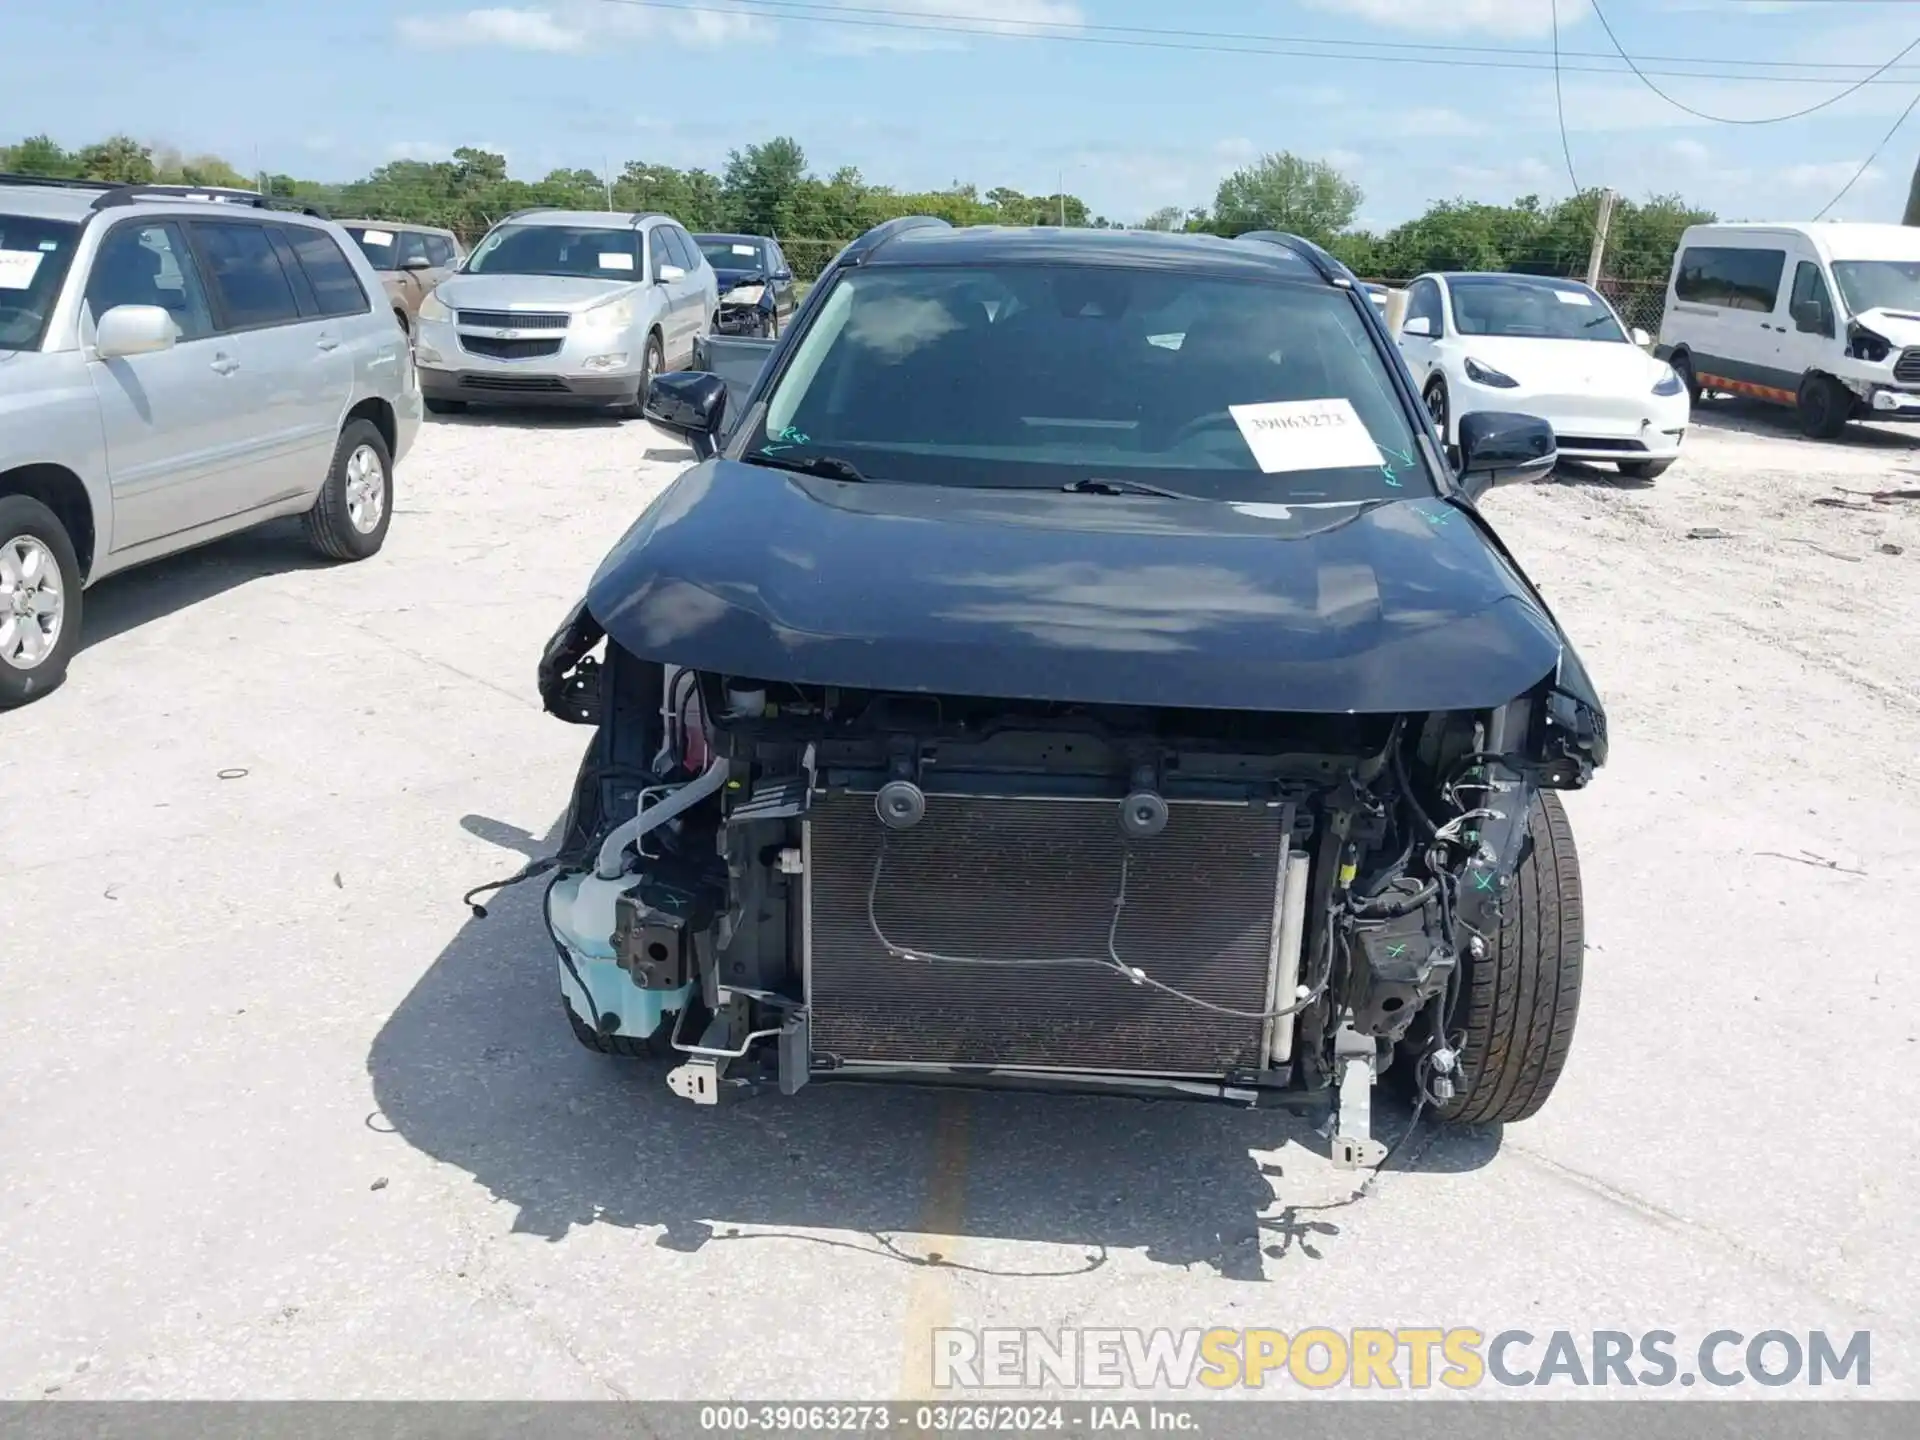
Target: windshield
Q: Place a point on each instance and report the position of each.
(730, 254)
(382, 247)
(1878, 284)
(604, 254)
(1530, 309)
(1045, 377)
(34, 255)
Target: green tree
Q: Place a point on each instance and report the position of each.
(761, 184)
(1167, 217)
(119, 157)
(1286, 192)
(39, 155)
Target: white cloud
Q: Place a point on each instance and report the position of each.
(419, 150)
(1828, 175)
(1689, 151)
(1500, 17)
(572, 25)
(511, 29)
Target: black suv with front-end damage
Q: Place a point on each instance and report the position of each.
(1071, 663)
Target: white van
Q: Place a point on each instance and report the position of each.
(1825, 318)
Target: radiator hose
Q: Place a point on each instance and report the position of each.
(608, 866)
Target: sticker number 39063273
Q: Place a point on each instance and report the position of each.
(1306, 435)
(17, 268)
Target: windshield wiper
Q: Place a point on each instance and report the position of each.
(830, 467)
(1094, 485)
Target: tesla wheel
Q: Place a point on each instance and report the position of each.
(1825, 407)
(39, 600)
(1683, 367)
(1436, 398)
(1645, 469)
(1517, 1003)
(349, 520)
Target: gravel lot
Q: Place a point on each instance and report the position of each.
(283, 1120)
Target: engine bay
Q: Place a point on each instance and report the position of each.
(775, 883)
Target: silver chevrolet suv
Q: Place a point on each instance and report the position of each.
(177, 364)
(568, 307)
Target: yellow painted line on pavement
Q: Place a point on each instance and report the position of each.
(930, 1296)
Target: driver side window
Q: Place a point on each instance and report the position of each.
(1423, 302)
(150, 265)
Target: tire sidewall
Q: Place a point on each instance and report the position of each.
(1683, 366)
(23, 515)
(1823, 408)
(360, 545)
(1438, 386)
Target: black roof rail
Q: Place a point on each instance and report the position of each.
(886, 230)
(131, 194)
(62, 182)
(1323, 262)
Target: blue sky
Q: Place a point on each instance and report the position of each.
(329, 90)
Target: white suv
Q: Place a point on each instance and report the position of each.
(569, 307)
(177, 364)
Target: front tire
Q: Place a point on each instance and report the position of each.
(1519, 1002)
(1645, 469)
(1683, 367)
(1825, 407)
(39, 600)
(651, 365)
(349, 520)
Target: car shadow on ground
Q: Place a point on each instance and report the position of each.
(145, 593)
(1741, 416)
(1594, 473)
(478, 1069)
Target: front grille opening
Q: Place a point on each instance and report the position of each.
(509, 349)
(1591, 442)
(523, 384)
(514, 319)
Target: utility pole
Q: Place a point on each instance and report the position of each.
(1596, 257)
(1061, 181)
(1912, 217)
(606, 174)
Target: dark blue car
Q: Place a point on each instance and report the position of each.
(756, 283)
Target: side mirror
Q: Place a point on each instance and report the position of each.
(692, 404)
(1810, 317)
(133, 330)
(1418, 325)
(668, 273)
(1641, 338)
(418, 262)
(1501, 448)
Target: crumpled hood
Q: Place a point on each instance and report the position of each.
(1897, 327)
(749, 571)
(528, 292)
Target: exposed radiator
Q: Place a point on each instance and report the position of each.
(1002, 879)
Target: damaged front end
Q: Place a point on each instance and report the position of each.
(781, 881)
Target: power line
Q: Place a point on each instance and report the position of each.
(1871, 158)
(1634, 66)
(1204, 42)
(1559, 104)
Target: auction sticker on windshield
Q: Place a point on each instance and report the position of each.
(17, 268)
(377, 237)
(1572, 297)
(615, 260)
(1305, 435)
